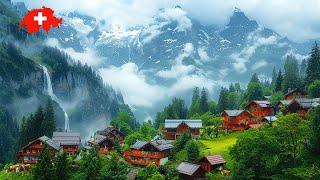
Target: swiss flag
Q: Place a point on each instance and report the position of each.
(37, 18)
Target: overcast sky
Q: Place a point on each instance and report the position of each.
(297, 19)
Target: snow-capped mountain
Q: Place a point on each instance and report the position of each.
(233, 52)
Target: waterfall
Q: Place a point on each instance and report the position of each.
(49, 90)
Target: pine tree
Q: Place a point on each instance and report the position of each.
(223, 100)
(62, 168)
(255, 78)
(118, 147)
(48, 125)
(313, 67)
(44, 170)
(291, 77)
(278, 85)
(303, 68)
(204, 105)
(117, 168)
(195, 94)
(274, 77)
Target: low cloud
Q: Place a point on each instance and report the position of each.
(259, 65)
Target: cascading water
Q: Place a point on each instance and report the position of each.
(49, 90)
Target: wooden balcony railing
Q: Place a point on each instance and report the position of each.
(144, 154)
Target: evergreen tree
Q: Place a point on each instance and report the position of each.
(118, 147)
(254, 91)
(255, 78)
(195, 94)
(303, 68)
(314, 118)
(314, 89)
(48, 125)
(44, 170)
(278, 85)
(180, 143)
(313, 67)
(91, 165)
(204, 105)
(117, 168)
(291, 78)
(37, 122)
(193, 151)
(274, 77)
(223, 100)
(61, 166)
(8, 136)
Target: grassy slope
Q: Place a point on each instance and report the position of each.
(220, 146)
(15, 176)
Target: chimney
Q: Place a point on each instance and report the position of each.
(289, 90)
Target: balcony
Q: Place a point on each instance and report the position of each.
(144, 154)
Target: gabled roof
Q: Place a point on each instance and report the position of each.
(263, 104)
(215, 159)
(174, 123)
(233, 113)
(161, 144)
(46, 140)
(188, 168)
(307, 103)
(66, 138)
(108, 130)
(284, 102)
(295, 90)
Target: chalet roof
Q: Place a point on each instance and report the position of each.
(45, 140)
(161, 144)
(215, 159)
(66, 138)
(233, 113)
(99, 138)
(293, 91)
(285, 102)
(108, 130)
(174, 123)
(49, 142)
(308, 103)
(263, 104)
(188, 168)
(139, 144)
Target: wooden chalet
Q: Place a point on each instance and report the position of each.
(212, 162)
(144, 153)
(105, 144)
(69, 142)
(30, 153)
(106, 139)
(295, 94)
(237, 120)
(282, 104)
(301, 106)
(113, 134)
(260, 109)
(173, 128)
(189, 171)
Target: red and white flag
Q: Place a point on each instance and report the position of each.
(37, 18)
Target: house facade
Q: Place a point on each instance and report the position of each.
(260, 109)
(237, 120)
(30, 153)
(301, 106)
(176, 127)
(295, 94)
(69, 142)
(212, 162)
(144, 153)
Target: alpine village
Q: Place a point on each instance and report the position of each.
(265, 129)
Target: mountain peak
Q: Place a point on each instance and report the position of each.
(240, 19)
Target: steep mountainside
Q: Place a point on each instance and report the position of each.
(88, 101)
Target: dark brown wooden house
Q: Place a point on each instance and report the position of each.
(237, 120)
(144, 153)
(30, 153)
(189, 171)
(301, 106)
(260, 109)
(69, 142)
(173, 128)
(112, 133)
(106, 139)
(213, 162)
(295, 94)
